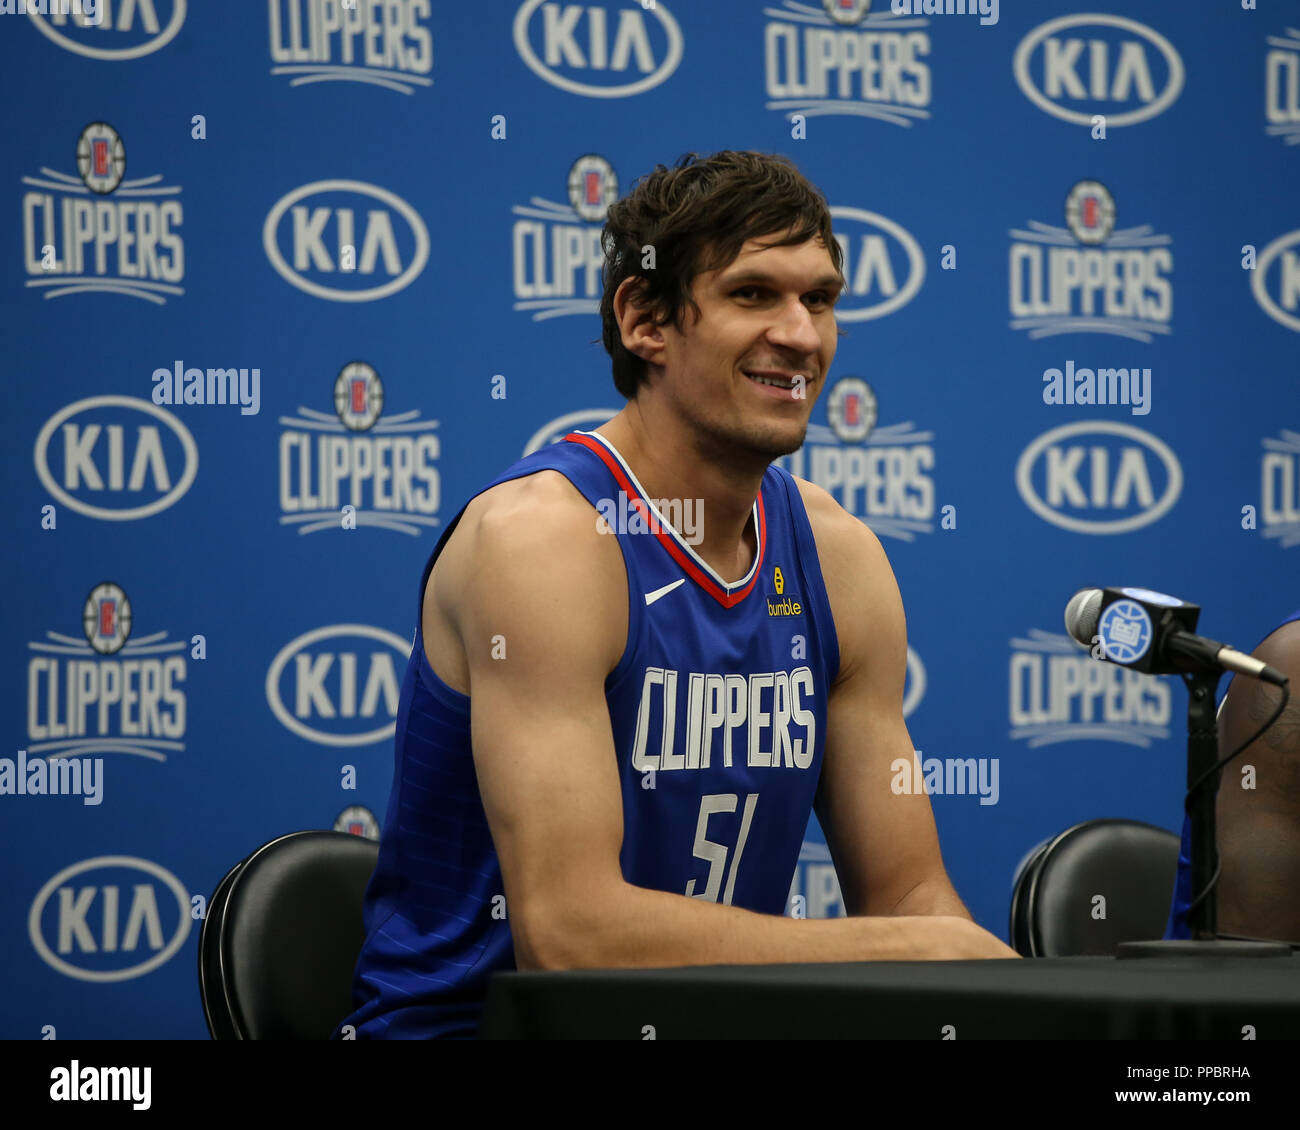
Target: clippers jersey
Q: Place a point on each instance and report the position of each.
(718, 712)
(1178, 926)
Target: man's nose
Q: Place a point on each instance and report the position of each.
(794, 329)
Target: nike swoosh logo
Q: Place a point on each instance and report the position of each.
(651, 597)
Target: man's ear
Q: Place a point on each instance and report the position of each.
(640, 333)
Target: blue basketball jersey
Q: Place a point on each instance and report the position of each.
(718, 711)
(1177, 926)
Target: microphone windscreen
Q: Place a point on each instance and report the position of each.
(1082, 614)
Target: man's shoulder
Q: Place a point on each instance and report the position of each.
(540, 523)
(860, 585)
(530, 549)
(837, 532)
(1282, 643)
(540, 512)
(547, 493)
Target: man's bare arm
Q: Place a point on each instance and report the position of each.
(884, 844)
(542, 582)
(1259, 826)
(932, 896)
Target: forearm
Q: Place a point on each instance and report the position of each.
(932, 897)
(638, 928)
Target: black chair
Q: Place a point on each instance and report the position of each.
(1131, 864)
(1019, 931)
(280, 941)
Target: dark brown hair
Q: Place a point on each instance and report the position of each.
(697, 216)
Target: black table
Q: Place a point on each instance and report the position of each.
(1090, 998)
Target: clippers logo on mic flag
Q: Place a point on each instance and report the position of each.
(1124, 631)
(1134, 623)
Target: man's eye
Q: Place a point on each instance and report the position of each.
(822, 297)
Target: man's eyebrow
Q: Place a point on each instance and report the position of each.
(823, 283)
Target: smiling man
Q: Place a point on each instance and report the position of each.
(610, 738)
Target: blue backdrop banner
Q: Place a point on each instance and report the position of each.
(287, 282)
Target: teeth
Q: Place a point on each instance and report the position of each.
(770, 381)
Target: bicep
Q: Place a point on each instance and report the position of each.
(870, 801)
(540, 730)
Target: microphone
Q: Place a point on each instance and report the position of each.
(1152, 632)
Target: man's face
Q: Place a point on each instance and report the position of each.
(769, 312)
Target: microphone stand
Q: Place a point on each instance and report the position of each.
(1202, 755)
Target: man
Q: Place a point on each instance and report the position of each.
(609, 739)
(1258, 828)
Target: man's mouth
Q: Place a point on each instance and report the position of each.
(776, 380)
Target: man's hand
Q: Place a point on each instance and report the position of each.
(959, 939)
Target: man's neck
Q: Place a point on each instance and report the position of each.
(722, 496)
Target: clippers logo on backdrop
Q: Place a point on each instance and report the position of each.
(327, 41)
(1090, 276)
(1279, 509)
(110, 690)
(880, 474)
(1060, 693)
(557, 253)
(884, 266)
(345, 240)
(1077, 67)
(97, 231)
(339, 685)
(117, 458)
(815, 888)
(1099, 477)
(610, 50)
(584, 420)
(840, 58)
(1275, 281)
(114, 32)
(358, 820)
(1282, 86)
(388, 471)
(111, 918)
